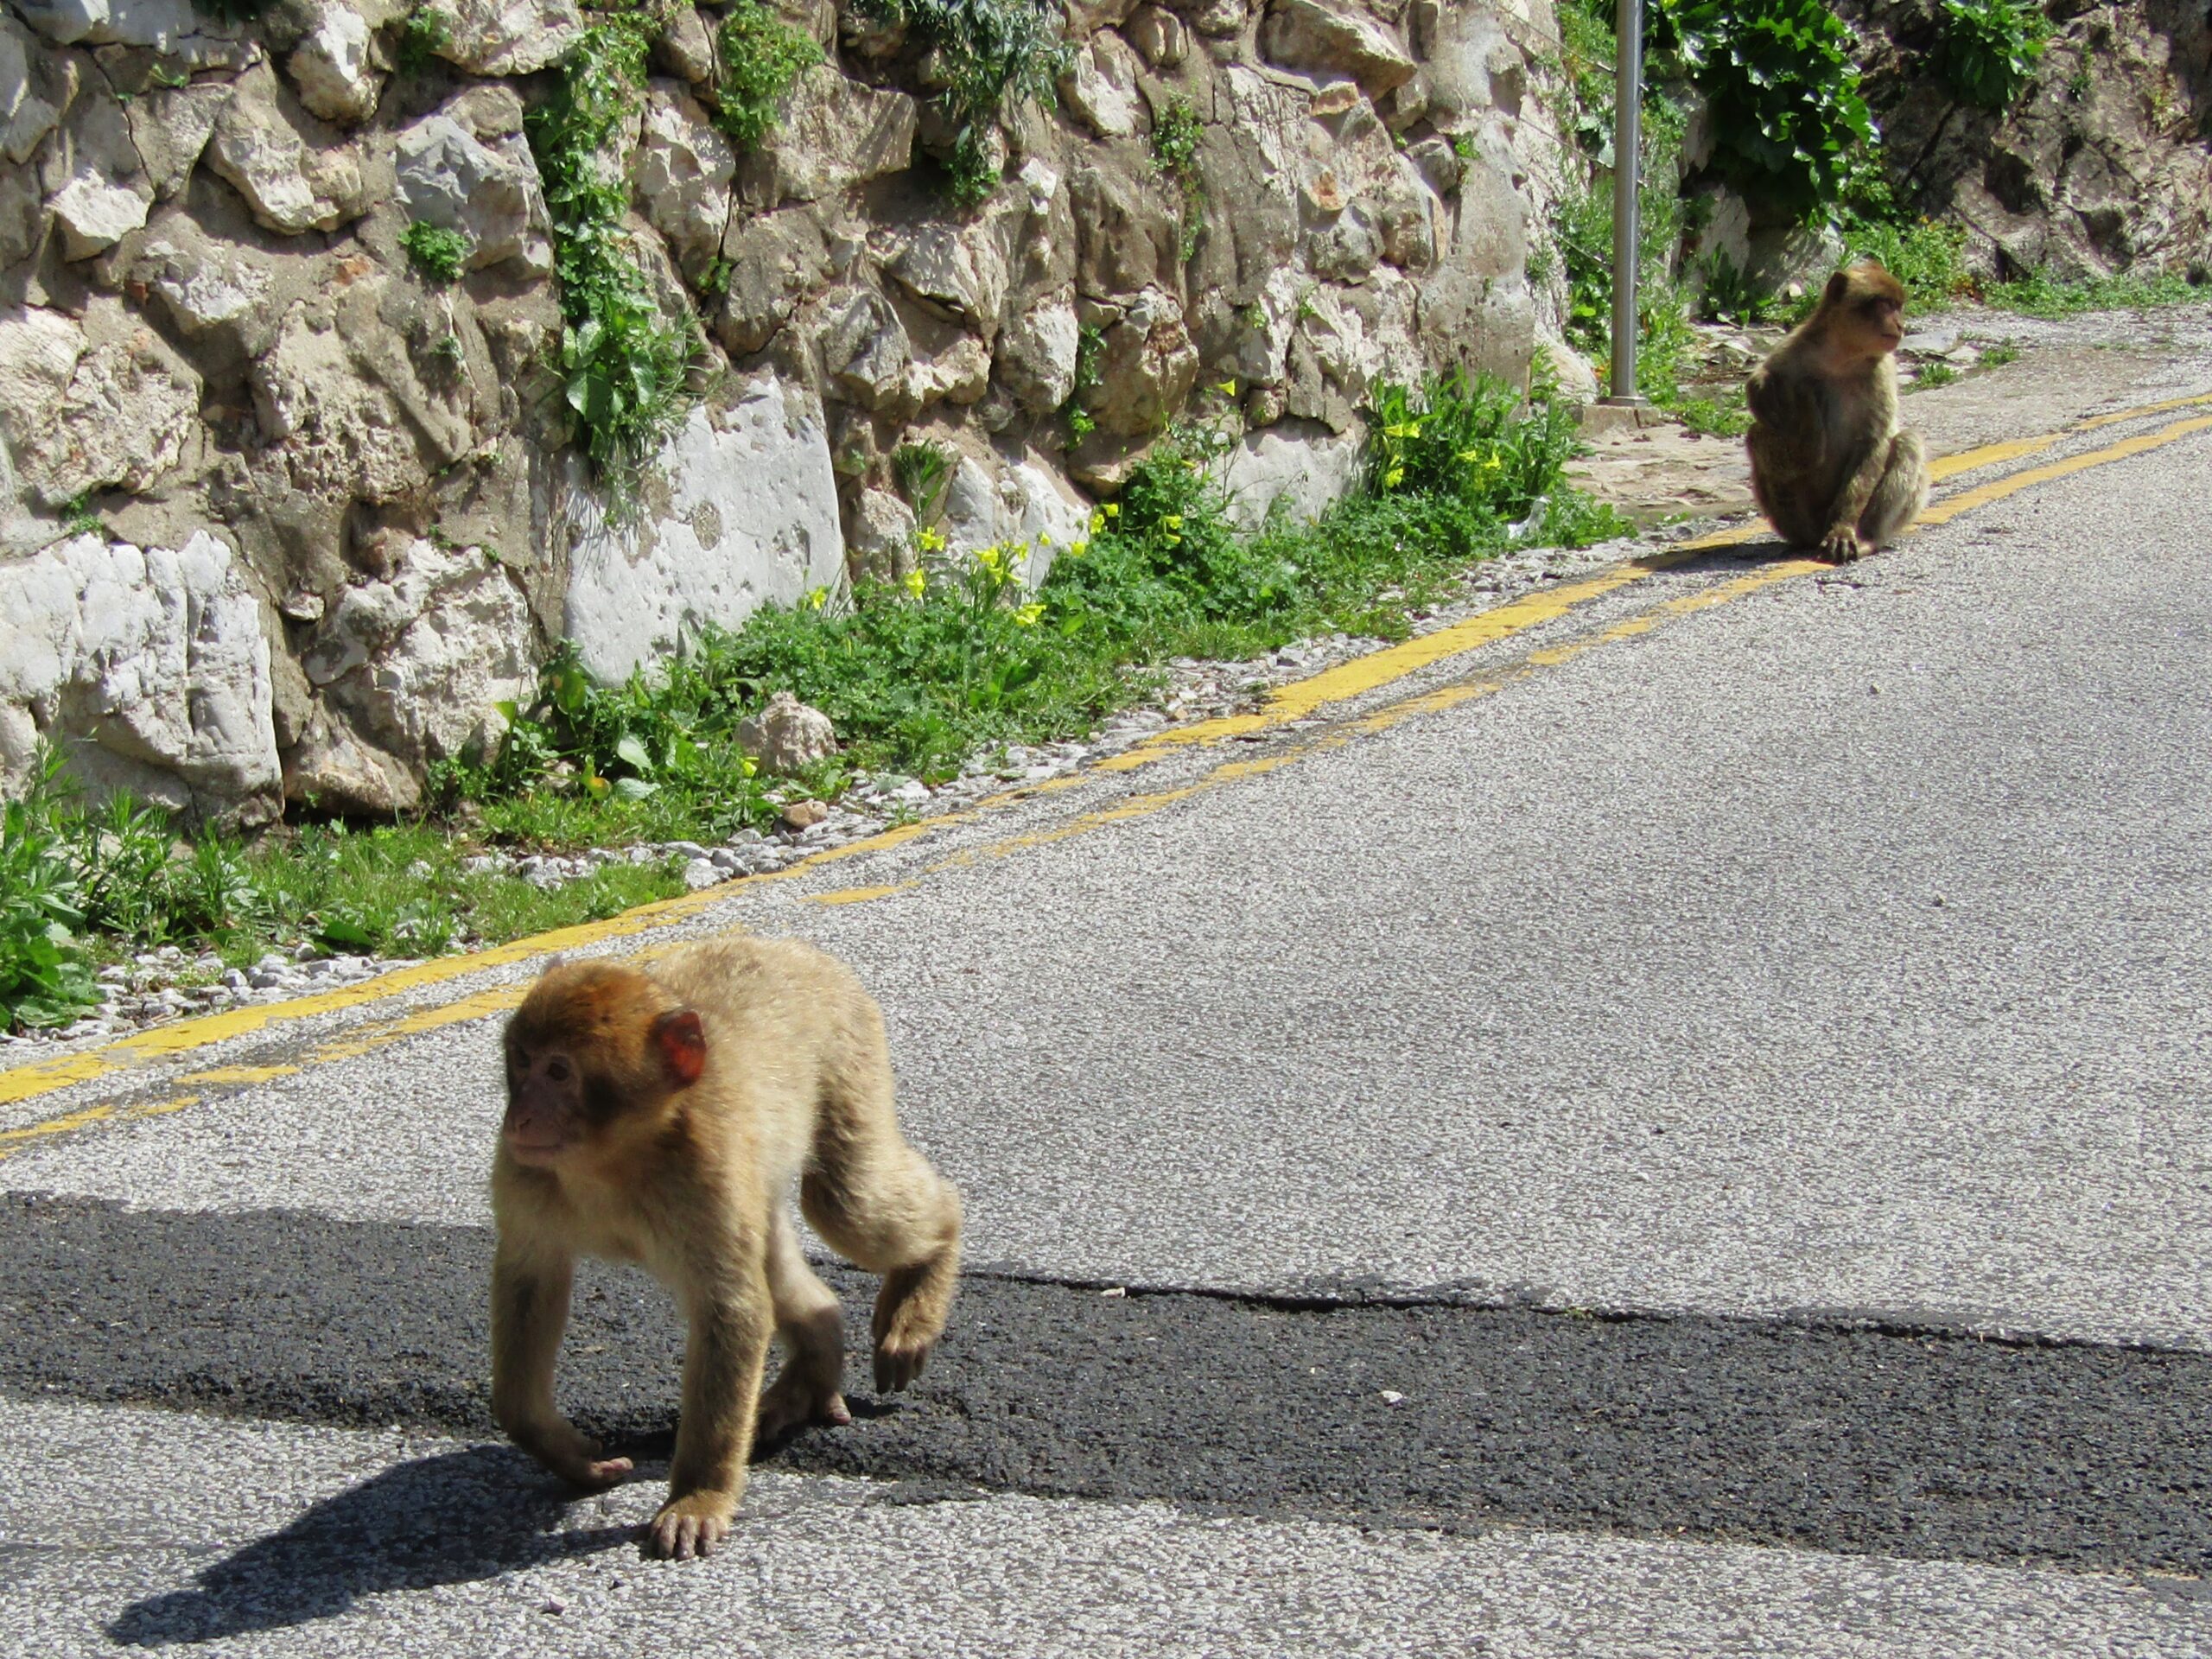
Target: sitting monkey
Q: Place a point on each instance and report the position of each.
(1829, 466)
(662, 1118)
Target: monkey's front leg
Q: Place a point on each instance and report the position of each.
(723, 1359)
(530, 1309)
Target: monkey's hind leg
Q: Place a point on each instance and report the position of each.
(813, 1325)
(880, 1205)
(1899, 497)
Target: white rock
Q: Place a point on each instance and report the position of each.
(447, 178)
(1037, 354)
(1100, 86)
(105, 192)
(152, 662)
(786, 735)
(290, 178)
(421, 661)
(77, 416)
(1301, 462)
(1333, 38)
(331, 66)
(683, 172)
(36, 85)
(865, 350)
(834, 133)
(994, 502)
(169, 26)
(751, 519)
(508, 37)
(702, 873)
(958, 270)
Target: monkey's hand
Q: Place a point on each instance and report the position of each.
(1841, 545)
(691, 1525)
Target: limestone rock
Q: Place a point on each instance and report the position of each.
(864, 346)
(170, 127)
(1302, 465)
(418, 660)
(787, 735)
(332, 66)
(151, 663)
(1019, 501)
(879, 537)
(80, 414)
(1158, 35)
(957, 270)
(834, 133)
(447, 178)
(959, 374)
(1334, 37)
(175, 27)
(291, 170)
(1100, 86)
(683, 175)
(1127, 236)
(36, 85)
(509, 37)
(773, 261)
(685, 49)
(750, 518)
(1147, 366)
(1037, 354)
(95, 189)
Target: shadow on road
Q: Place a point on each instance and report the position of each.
(450, 1519)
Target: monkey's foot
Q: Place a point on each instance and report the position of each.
(898, 1364)
(795, 1402)
(909, 1314)
(596, 1474)
(691, 1525)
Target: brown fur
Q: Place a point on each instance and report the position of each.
(1830, 467)
(607, 1151)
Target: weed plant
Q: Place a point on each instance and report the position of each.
(1175, 134)
(991, 54)
(423, 35)
(761, 57)
(437, 252)
(1990, 48)
(624, 370)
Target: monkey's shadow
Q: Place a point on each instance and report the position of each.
(450, 1519)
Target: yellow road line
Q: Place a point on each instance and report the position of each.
(1299, 700)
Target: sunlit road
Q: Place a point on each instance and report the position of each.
(1680, 1130)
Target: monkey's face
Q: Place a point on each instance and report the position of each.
(1881, 322)
(546, 1105)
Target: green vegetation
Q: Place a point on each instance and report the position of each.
(624, 371)
(2038, 294)
(423, 35)
(923, 472)
(920, 674)
(1928, 258)
(1089, 345)
(990, 54)
(1175, 134)
(78, 518)
(436, 252)
(761, 57)
(1931, 375)
(81, 885)
(1790, 125)
(1990, 48)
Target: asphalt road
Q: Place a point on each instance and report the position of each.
(1680, 1132)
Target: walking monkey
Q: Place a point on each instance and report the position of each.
(1830, 468)
(662, 1118)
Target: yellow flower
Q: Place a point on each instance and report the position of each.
(1027, 615)
(1173, 521)
(1403, 429)
(932, 541)
(818, 598)
(1227, 388)
(1112, 509)
(1394, 477)
(915, 582)
(1097, 523)
(1077, 550)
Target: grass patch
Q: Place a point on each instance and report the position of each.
(436, 252)
(2039, 295)
(1175, 133)
(1928, 375)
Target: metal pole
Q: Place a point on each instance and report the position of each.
(1628, 107)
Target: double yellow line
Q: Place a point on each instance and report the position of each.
(1301, 700)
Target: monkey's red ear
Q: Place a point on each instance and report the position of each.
(683, 1045)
